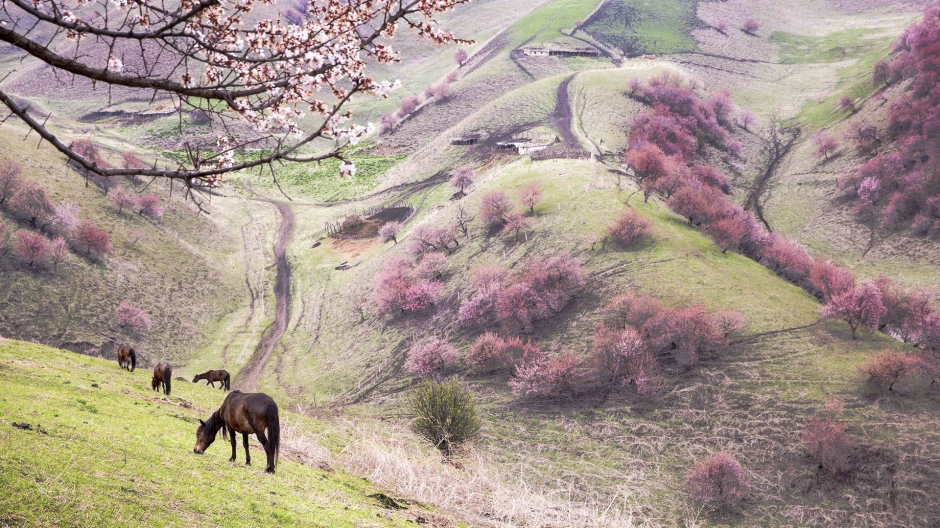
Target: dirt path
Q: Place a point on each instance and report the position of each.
(561, 117)
(247, 379)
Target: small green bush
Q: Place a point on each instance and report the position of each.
(446, 414)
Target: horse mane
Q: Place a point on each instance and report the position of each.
(167, 377)
(212, 428)
(133, 360)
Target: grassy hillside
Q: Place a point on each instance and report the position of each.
(102, 449)
(187, 271)
(636, 26)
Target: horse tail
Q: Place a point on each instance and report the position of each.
(274, 430)
(168, 376)
(228, 379)
(133, 360)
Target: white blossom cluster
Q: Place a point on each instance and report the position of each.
(289, 81)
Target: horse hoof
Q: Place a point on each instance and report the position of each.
(269, 470)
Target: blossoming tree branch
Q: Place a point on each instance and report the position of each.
(274, 88)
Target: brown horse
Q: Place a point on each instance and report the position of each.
(212, 376)
(162, 373)
(127, 359)
(246, 414)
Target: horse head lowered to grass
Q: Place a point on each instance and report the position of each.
(212, 376)
(127, 358)
(162, 374)
(245, 413)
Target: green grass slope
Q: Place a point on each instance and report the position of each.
(637, 26)
(104, 450)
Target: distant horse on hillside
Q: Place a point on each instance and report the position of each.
(127, 359)
(212, 376)
(246, 414)
(162, 373)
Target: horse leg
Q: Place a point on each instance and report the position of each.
(268, 450)
(247, 454)
(231, 433)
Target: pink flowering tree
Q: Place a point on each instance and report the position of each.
(461, 57)
(462, 178)
(58, 253)
(268, 76)
(826, 440)
(847, 104)
(825, 145)
(531, 195)
(881, 74)
(893, 371)
(131, 318)
(31, 202)
(432, 358)
(65, 218)
(829, 279)
(719, 480)
(860, 307)
(515, 224)
(149, 205)
(399, 290)
(32, 249)
(431, 267)
(750, 26)
(487, 353)
(747, 118)
(544, 375)
(93, 239)
(389, 231)
(494, 207)
(479, 308)
(408, 105)
(122, 198)
(629, 228)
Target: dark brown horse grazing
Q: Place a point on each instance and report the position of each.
(246, 414)
(212, 376)
(127, 359)
(162, 373)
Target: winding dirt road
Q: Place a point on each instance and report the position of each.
(247, 379)
(562, 117)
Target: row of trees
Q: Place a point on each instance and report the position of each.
(410, 104)
(903, 187)
(661, 160)
(628, 350)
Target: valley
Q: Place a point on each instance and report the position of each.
(281, 274)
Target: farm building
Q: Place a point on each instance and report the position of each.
(524, 147)
(466, 140)
(550, 52)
